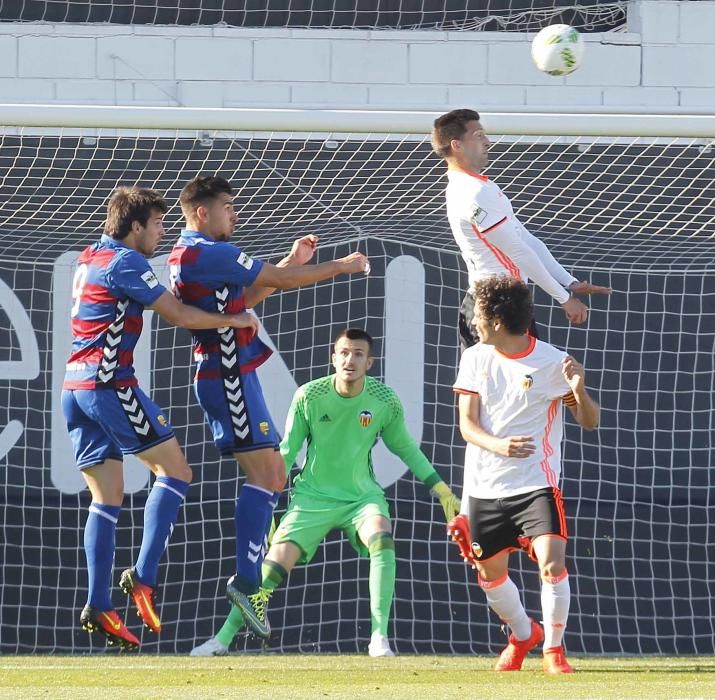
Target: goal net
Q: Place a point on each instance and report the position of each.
(631, 212)
(491, 15)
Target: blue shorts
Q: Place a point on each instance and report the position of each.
(236, 413)
(108, 423)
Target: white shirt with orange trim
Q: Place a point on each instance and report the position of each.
(518, 395)
(492, 239)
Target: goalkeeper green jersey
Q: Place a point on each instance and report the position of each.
(341, 432)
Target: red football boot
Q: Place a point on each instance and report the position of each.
(513, 655)
(143, 597)
(458, 530)
(555, 661)
(108, 623)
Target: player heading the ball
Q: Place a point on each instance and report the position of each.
(211, 273)
(109, 416)
(511, 389)
(489, 234)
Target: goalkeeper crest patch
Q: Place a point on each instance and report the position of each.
(365, 418)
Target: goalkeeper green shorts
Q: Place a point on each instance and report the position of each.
(309, 519)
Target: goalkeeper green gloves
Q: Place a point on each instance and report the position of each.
(449, 502)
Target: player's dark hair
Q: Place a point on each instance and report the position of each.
(130, 204)
(452, 125)
(355, 334)
(202, 189)
(506, 300)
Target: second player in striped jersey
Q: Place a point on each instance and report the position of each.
(210, 272)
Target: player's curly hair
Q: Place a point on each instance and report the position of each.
(452, 125)
(130, 204)
(504, 299)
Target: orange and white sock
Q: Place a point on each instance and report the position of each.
(503, 598)
(555, 602)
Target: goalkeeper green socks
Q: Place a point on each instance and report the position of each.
(382, 580)
(273, 575)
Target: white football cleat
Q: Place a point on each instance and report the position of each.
(379, 646)
(211, 647)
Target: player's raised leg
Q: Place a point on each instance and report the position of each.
(550, 552)
(173, 476)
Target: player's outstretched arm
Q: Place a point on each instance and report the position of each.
(289, 277)
(301, 252)
(183, 316)
(398, 440)
(586, 411)
(509, 240)
(519, 446)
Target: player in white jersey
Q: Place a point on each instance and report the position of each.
(489, 234)
(511, 389)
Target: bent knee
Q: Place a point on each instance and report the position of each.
(552, 569)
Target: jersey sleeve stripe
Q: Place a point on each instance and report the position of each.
(465, 391)
(569, 399)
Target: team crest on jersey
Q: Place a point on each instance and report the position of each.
(150, 278)
(527, 382)
(477, 549)
(263, 427)
(365, 418)
(245, 261)
(161, 420)
(478, 216)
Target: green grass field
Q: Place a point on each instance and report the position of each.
(289, 677)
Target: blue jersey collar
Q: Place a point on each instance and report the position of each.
(113, 242)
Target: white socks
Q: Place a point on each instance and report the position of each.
(503, 598)
(555, 601)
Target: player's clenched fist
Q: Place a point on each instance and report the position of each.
(303, 249)
(355, 262)
(574, 373)
(244, 320)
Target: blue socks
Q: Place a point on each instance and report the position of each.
(254, 509)
(160, 514)
(99, 543)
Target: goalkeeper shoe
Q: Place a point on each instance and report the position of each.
(253, 606)
(143, 597)
(108, 623)
(555, 661)
(513, 655)
(458, 530)
(211, 647)
(379, 646)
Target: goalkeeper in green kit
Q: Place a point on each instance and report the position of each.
(341, 416)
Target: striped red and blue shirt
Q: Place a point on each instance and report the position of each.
(212, 275)
(112, 285)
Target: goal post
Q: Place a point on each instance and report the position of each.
(623, 199)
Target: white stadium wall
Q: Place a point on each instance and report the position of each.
(664, 59)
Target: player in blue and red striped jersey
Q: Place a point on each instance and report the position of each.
(213, 274)
(108, 415)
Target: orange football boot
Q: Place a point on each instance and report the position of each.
(108, 623)
(513, 655)
(143, 597)
(555, 661)
(458, 530)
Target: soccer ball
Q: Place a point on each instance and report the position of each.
(557, 50)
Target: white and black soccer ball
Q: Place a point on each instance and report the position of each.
(557, 49)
